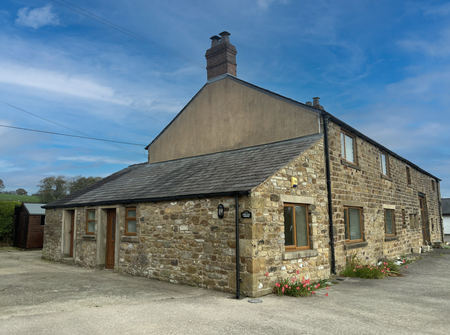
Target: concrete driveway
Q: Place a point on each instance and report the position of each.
(41, 297)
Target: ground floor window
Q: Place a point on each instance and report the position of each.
(353, 224)
(130, 221)
(389, 222)
(90, 222)
(296, 227)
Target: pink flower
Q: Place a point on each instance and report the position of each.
(313, 292)
(277, 285)
(298, 271)
(293, 280)
(267, 274)
(326, 294)
(328, 287)
(354, 270)
(309, 288)
(406, 267)
(403, 261)
(298, 288)
(303, 278)
(388, 269)
(304, 285)
(318, 285)
(286, 285)
(282, 290)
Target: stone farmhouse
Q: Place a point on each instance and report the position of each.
(246, 186)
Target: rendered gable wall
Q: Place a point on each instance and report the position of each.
(228, 115)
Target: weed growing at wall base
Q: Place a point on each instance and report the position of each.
(387, 268)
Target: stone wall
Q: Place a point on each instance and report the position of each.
(263, 244)
(52, 234)
(362, 185)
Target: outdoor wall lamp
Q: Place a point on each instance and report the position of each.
(220, 210)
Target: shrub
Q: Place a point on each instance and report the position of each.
(7, 209)
(376, 271)
(296, 287)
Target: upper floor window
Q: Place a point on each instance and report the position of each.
(296, 227)
(90, 221)
(130, 221)
(433, 186)
(408, 175)
(389, 222)
(384, 164)
(348, 151)
(353, 224)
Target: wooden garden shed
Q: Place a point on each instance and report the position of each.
(29, 226)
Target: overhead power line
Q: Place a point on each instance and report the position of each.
(37, 67)
(126, 31)
(88, 138)
(43, 118)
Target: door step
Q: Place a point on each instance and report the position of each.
(68, 261)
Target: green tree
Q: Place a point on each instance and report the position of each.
(2, 186)
(7, 209)
(21, 191)
(52, 188)
(78, 182)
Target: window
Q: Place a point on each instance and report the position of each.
(403, 217)
(130, 221)
(90, 222)
(411, 221)
(408, 175)
(348, 147)
(384, 163)
(296, 227)
(42, 220)
(433, 185)
(389, 222)
(353, 224)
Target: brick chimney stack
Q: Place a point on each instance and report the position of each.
(221, 58)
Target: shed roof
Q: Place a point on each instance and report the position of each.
(223, 173)
(445, 206)
(35, 209)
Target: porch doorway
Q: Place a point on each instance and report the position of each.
(424, 218)
(110, 239)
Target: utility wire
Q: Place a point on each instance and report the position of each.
(43, 118)
(134, 110)
(88, 138)
(127, 32)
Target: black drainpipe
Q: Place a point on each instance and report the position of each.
(330, 203)
(238, 275)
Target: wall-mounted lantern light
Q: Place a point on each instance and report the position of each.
(220, 210)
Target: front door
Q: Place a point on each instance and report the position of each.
(72, 226)
(424, 217)
(110, 238)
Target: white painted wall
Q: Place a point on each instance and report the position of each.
(447, 227)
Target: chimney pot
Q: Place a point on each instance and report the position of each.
(224, 36)
(308, 103)
(316, 103)
(215, 40)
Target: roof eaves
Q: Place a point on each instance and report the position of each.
(156, 199)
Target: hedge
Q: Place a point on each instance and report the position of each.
(7, 209)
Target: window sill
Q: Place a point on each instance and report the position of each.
(386, 177)
(288, 255)
(390, 238)
(352, 165)
(131, 239)
(355, 245)
(89, 238)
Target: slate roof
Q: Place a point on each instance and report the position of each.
(34, 209)
(445, 206)
(224, 173)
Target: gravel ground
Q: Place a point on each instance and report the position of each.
(42, 297)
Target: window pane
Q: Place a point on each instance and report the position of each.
(383, 164)
(288, 226)
(389, 223)
(346, 223)
(355, 225)
(301, 226)
(349, 149)
(131, 226)
(131, 213)
(342, 145)
(91, 215)
(91, 227)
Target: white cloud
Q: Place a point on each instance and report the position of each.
(95, 159)
(438, 47)
(264, 4)
(37, 18)
(439, 10)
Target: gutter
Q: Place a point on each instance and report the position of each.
(330, 201)
(441, 220)
(238, 259)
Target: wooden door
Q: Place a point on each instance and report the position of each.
(424, 217)
(72, 226)
(110, 238)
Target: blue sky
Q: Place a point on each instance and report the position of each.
(381, 66)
